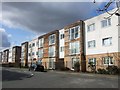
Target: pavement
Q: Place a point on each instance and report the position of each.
(67, 72)
(22, 78)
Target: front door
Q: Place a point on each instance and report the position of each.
(51, 63)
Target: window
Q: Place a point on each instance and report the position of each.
(107, 41)
(74, 47)
(52, 39)
(92, 60)
(51, 63)
(37, 43)
(74, 33)
(61, 49)
(91, 27)
(91, 44)
(52, 51)
(36, 53)
(29, 45)
(33, 44)
(74, 60)
(41, 42)
(106, 22)
(40, 53)
(29, 54)
(33, 53)
(107, 60)
(61, 36)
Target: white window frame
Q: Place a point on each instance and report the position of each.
(51, 63)
(107, 60)
(29, 45)
(106, 23)
(51, 51)
(72, 35)
(33, 44)
(93, 44)
(62, 49)
(40, 53)
(93, 60)
(62, 36)
(110, 41)
(52, 39)
(41, 42)
(73, 49)
(91, 27)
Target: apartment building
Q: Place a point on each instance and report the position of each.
(5, 56)
(42, 53)
(24, 54)
(48, 49)
(102, 41)
(10, 55)
(32, 51)
(1, 54)
(74, 45)
(61, 47)
(16, 55)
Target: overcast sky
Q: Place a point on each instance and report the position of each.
(43, 17)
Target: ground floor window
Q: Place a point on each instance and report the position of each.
(74, 60)
(92, 61)
(107, 60)
(51, 63)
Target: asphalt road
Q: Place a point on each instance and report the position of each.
(21, 78)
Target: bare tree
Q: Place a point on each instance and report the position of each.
(106, 7)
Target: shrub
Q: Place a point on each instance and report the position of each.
(101, 71)
(64, 69)
(112, 69)
(77, 67)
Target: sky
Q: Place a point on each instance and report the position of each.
(24, 21)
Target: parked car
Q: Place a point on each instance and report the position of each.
(36, 67)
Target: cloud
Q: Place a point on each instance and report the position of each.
(43, 17)
(4, 39)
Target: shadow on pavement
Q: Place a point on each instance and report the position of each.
(12, 75)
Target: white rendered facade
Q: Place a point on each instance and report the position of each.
(100, 33)
(102, 40)
(10, 55)
(61, 43)
(32, 50)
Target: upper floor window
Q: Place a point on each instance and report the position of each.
(91, 44)
(40, 53)
(74, 47)
(33, 44)
(91, 27)
(74, 33)
(92, 60)
(106, 22)
(29, 45)
(61, 36)
(33, 53)
(61, 49)
(37, 43)
(52, 39)
(29, 54)
(41, 42)
(37, 53)
(107, 41)
(107, 60)
(52, 51)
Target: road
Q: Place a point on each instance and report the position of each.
(20, 78)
